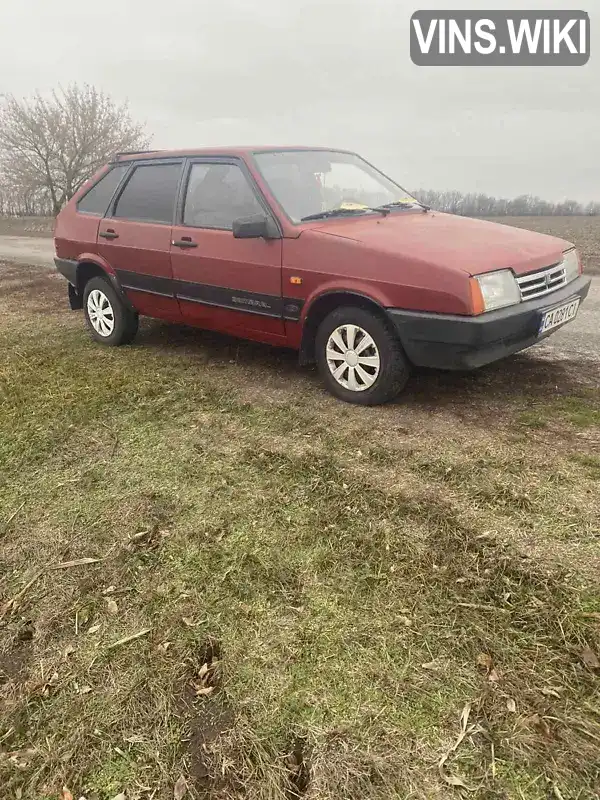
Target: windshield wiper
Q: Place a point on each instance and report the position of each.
(402, 204)
(342, 212)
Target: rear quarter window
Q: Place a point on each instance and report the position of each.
(97, 199)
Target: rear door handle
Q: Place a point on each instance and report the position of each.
(185, 241)
(109, 234)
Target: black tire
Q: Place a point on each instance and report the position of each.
(125, 320)
(394, 370)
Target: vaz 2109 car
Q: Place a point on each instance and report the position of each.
(312, 249)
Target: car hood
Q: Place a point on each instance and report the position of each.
(460, 243)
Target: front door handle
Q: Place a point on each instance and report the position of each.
(185, 241)
(109, 234)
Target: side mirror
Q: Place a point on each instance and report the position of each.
(256, 227)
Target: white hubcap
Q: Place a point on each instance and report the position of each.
(353, 358)
(100, 312)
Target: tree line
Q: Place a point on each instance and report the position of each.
(472, 204)
(49, 146)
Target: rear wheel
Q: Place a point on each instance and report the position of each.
(109, 320)
(360, 358)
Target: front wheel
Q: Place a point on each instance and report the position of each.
(360, 358)
(107, 317)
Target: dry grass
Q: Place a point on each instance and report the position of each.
(320, 589)
(26, 226)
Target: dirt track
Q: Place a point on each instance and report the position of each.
(27, 250)
(579, 340)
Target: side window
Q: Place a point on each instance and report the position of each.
(218, 194)
(96, 201)
(149, 194)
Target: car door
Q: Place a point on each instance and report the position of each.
(135, 237)
(224, 283)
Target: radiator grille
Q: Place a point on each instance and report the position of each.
(537, 284)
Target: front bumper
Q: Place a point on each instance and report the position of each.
(450, 341)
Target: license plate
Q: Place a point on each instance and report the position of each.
(558, 316)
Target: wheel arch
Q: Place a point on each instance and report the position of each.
(89, 267)
(323, 305)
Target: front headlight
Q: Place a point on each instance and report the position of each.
(571, 265)
(498, 289)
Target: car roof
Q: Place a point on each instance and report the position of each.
(239, 152)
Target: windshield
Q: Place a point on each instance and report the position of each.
(315, 183)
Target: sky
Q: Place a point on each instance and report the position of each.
(320, 72)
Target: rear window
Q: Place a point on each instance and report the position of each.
(150, 193)
(97, 200)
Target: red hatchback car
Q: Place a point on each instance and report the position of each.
(312, 249)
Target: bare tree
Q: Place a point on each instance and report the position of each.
(22, 201)
(51, 145)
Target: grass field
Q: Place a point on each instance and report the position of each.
(215, 579)
(26, 226)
